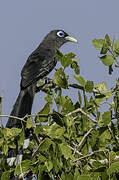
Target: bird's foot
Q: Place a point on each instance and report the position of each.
(48, 80)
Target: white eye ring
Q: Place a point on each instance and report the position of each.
(60, 34)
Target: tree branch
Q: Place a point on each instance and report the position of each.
(84, 137)
(83, 112)
(103, 162)
(15, 117)
(51, 84)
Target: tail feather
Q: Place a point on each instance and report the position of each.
(22, 106)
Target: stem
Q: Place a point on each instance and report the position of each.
(83, 112)
(84, 137)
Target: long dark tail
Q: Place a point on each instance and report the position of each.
(22, 106)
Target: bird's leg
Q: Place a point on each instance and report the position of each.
(48, 80)
(49, 83)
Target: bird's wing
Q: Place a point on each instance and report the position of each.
(37, 67)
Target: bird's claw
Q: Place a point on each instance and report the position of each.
(48, 80)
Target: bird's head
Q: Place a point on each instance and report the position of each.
(58, 38)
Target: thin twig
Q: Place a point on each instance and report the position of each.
(84, 137)
(22, 174)
(76, 86)
(22, 119)
(39, 115)
(90, 154)
(106, 161)
(103, 162)
(74, 150)
(14, 117)
(83, 112)
(73, 85)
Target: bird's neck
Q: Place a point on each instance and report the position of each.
(49, 44)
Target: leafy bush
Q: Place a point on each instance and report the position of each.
(71, 140)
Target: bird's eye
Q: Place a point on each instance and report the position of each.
(60, 34)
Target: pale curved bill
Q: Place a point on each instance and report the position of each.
(70, 38)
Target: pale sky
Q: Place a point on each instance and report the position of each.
(24, 23)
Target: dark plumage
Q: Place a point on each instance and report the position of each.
(39, 64)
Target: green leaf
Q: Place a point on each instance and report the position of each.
(103, 93)
(58, 98)
(89, 86)
(60, 78)
(59, 55)
(38, 129)
(104, 49)
(67, 104)
(74, 65)
(40, 83)
(105, 138)
(41, 158)
(55, 131)
(1, 141)
(49, 98)
(21, 139)
(58, 118)
(69, 122)
(76, 174)
(45, 111)
(80, 97)
(11, 133)
(116, 48)
(29, 123)
(108, 39)
(22, 167)
(98, 43)
(45, 144)
(101, 87)
(80, 80)
(5, 148)
(99, 99)
(107, 60)
(112, 155)
(106, 118)
(114, 168)
(16, 131)
(12, 145)
(6, 175)
(95, 164)
(67, 59)
(49, 165)
(67, 176)
(84, 177)
(66, 151)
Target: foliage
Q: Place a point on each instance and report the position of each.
(75, 140)
(109, 51)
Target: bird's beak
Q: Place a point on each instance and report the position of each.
(70, 38)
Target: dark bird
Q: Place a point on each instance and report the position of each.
(38, 65)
